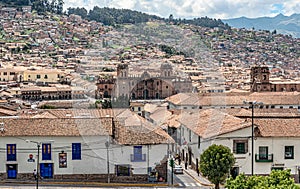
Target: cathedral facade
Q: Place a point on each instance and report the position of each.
(147, 85)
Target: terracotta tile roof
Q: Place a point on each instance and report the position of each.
(241, 112)
(278, 127)
(134, 129)
(130, 128)
(56, 126)
(95, 113)
(143, 134)
(209, 123)
(7, 112)
(275, 98)
(48, 89)
(150, 107)
(160, 115)
(172, 121)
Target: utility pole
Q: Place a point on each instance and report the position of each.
(171, 163)
(252, 103)
(37, 166)
(107, 155)
(148, 160)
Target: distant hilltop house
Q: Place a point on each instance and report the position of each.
(260, 82)
(159, 85)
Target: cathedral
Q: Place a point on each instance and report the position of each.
(159, 85)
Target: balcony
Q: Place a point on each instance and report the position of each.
(137, 157)
(264, 157)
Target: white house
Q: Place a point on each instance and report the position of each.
(79, 143)
(276, 139)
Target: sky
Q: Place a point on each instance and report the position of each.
(219, 9)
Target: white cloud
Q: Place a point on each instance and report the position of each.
(197, 8)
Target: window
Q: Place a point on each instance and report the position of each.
(5, 73)
(199, 140)
(11, 152)
(264, 77)
(76, 151)
(190, 135)
(46, 77)
(139, 108)
(46, 151)
(289, 152)
(263, 152)
(38, 76)
(240, 146)
(123, 170)
(137, 154)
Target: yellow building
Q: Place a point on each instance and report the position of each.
(12, 74)
(43, 75)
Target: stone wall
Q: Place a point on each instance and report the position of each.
(83, 178)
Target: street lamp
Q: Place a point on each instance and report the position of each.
(252, 103)
(107, 154)
(38, 159)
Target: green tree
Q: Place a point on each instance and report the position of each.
(215, 163)
(276, 180)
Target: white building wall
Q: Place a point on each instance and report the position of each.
(91, 160)
(276, 146)
(93, 155)
(121, 155)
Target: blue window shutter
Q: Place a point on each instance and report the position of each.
(46, 151)
(76, 151)
(137, 151)
(11, 152)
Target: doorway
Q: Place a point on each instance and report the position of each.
(46, 170)
(11, 171)
(234, 172)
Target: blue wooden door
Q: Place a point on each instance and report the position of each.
(46, 170)
(12, 171)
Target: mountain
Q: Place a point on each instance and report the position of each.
(289, 25)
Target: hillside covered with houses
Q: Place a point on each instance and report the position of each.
(140, 93)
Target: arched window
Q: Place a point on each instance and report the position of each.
(133, 96)
(106, 95)
(157, 95)
(146, 94)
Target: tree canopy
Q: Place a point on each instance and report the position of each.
(276, 180)
(215, 163)
(113, 16)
